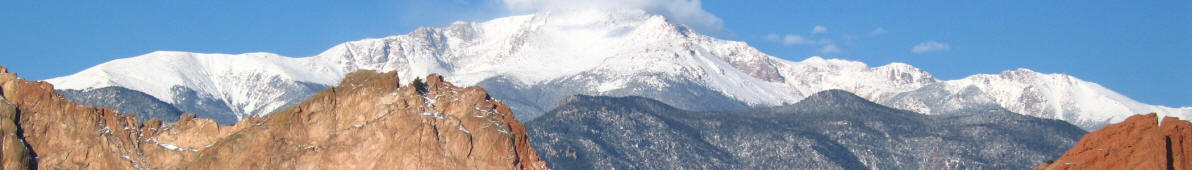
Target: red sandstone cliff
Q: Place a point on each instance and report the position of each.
(1139, 142)
(367, 122)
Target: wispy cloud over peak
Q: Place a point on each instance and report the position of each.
(686, 12)
(930, 46)
(795, 39)
(830, 48)
(791, 39)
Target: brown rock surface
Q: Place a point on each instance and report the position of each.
(367, 122)
(15, 153)
(1139, 142)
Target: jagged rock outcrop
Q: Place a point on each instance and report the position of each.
(1140, 142)
(58, 134)
(15, 153)
(368, 122)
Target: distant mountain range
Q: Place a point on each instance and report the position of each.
(533, 61)
(832, 129)
(370, 121)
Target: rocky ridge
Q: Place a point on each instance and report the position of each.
(368, 122)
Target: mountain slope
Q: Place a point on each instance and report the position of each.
(367, 122)
(830, 130)
(535, 60)
(599, 52)
(642, 50)
(212, 85)
(1052, 96)
(943, 99)
(133, 102)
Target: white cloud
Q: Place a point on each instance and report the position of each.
(930, 46)
(830, 48)
(772, 37)
(878, 31)
(792, 39)
(686, 12)
(819, 29)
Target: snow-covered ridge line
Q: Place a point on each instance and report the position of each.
(248, 81)
(599, 52)
(1062, 96)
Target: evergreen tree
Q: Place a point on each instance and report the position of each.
(419, 85)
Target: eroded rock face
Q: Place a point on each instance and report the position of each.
(15, 153)
(64, 135)
(1139, 142)
(368, 122)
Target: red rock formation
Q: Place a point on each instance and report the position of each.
(66, 135)
(1139, 142)
(15, 153)
(367, 122)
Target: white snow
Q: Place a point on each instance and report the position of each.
(169, 146)
(240, 80)
(461, 128)
(1061, 96)
(174, 147)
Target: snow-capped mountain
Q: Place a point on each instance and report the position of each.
(214, 85)
(1060, 96)
(816, 74)
(533, 61)
(944, 99)
(546, 56)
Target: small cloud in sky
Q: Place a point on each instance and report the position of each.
(686, 12)
(830, 48)
(819, 29)
(878, 31)
(792, 39)
(772, 37)
(796, 39)
(930, 46)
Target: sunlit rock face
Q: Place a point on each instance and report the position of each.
(368, 122)
(1140, 142)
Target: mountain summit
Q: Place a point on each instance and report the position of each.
(536, 60)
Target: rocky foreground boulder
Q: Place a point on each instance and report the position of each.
(1140, 142)
(367, 122)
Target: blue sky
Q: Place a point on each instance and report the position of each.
(1142, 49)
